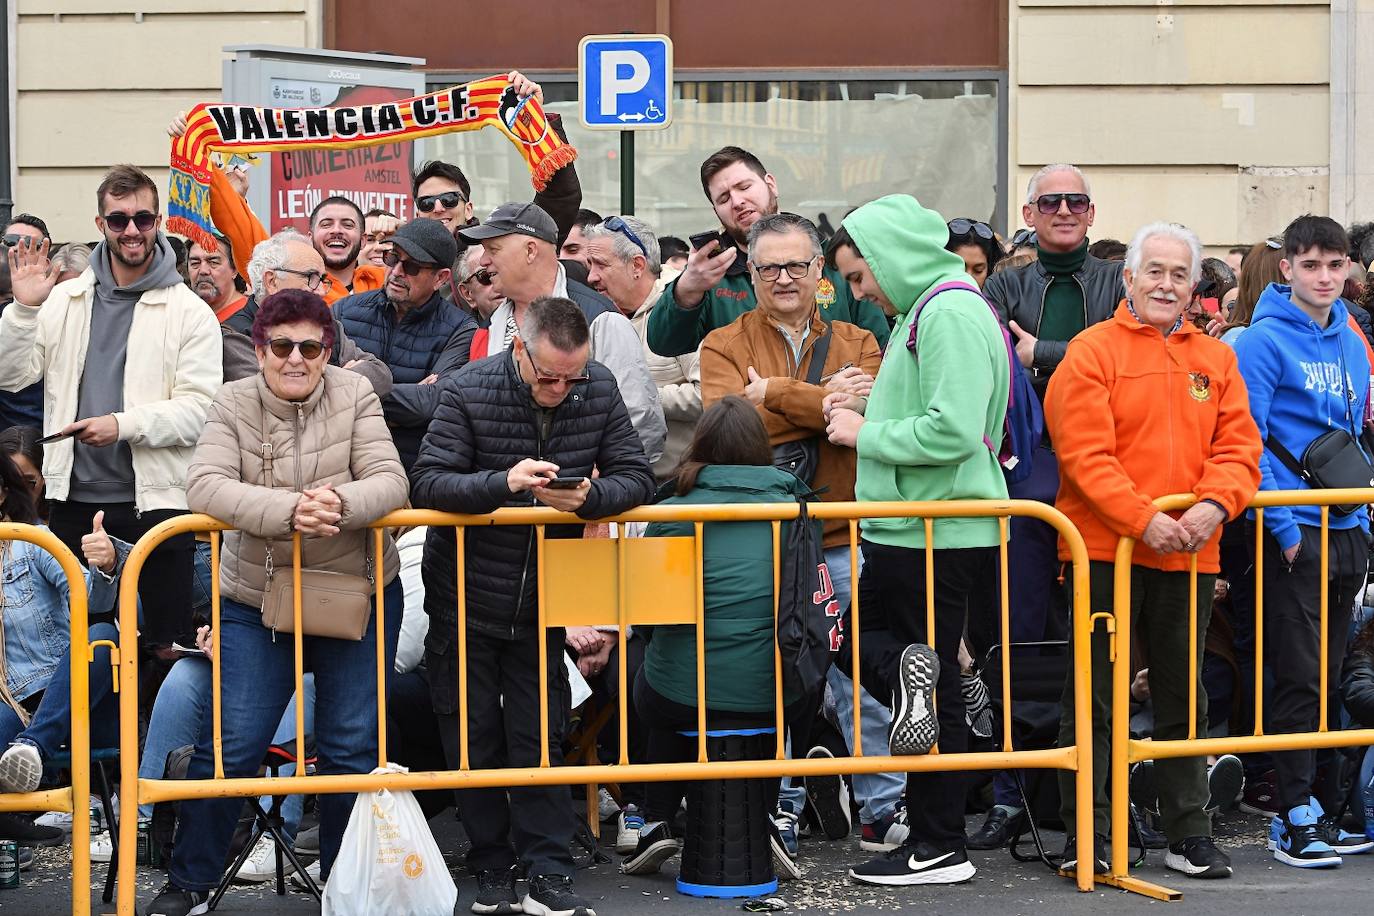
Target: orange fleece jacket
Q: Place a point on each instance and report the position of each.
(1135, 416)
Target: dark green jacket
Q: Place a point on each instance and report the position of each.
(676, 331)
(738, 572)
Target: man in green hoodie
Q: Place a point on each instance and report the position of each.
(922, 434)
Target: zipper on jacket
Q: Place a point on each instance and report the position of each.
(543, 421)
(1044, 295)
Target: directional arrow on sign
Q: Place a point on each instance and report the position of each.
(632, 117)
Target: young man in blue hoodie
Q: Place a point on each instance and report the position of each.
(1308, 374)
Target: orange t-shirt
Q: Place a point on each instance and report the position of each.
(225, 312)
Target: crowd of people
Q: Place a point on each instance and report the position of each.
(303, 385)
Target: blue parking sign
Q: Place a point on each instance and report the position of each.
(625, 82)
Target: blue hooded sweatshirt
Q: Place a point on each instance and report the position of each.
(1304, 381)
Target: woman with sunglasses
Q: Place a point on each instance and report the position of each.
(301, 448)
(974, 241)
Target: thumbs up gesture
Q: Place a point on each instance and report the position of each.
(97, 547)
(757, 389)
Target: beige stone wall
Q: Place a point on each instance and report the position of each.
(98, 80)
(1213, 113)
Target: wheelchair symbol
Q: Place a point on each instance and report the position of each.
(653, 112)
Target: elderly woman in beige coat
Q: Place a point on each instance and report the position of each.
(300, 447)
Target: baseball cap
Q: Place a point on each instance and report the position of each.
(515, 218)
(427, 241)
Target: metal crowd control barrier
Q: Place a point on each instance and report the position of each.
(76, 798)
(590, 582)
(1127, 751)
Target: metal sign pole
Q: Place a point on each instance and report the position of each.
(627, 172)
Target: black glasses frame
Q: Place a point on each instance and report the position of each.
(143, 220)
(449, 199)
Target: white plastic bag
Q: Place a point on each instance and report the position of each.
(389, 862)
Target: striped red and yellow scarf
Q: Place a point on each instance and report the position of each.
(213, 127)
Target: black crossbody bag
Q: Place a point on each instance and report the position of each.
(801, 456)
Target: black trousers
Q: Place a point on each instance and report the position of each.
(892, 615)
(412, 734)
(1292, 647)
(164, 587)
(533, 823)
(606, 689)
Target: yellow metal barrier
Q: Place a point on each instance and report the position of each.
(77, 798)
(672, 593)
(1126, 751)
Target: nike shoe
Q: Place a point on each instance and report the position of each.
(977, 705)
(656, 846)
(915, 863)
(1101, 864)
(1297, 839)
(785, 822)
(887, 832)
(914, 729)
(1337, 837)
(1225, 783)
(1198, 857)
(827, 800)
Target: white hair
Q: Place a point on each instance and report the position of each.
(1054, 167)
(270, 254)
(1173, 231)
(625, 250)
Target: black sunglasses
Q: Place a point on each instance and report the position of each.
(481, 276)
(143, 220)
(408, 267)
(281, 348)
(963, 226)
(14, 240)
(616, 224)
(1049, 203)
(449, 200)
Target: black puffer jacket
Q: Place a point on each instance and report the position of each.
(1019, 295)
(485, 424)
(434, 339)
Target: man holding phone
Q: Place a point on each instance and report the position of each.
(478, 456)
(129, 358)
(716, 286)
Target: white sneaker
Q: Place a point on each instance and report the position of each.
(261, 864)
(21, 768)
(606, 806)
(61, 820)
(313, 870)
(628, 827)
(102, 848)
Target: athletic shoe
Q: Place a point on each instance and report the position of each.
(102, 847)
(606, 807)
(656, 846)
(915, 863)
(1150, 838)
(998, 828)
(1101, 865)
(784, 865)
(1198, 857)
(1225, 782)
(552, 895)
(496, 891)
(1261, 796)
(827, 800)
(914, 729)
(785, 820)
(886, 833)
(21, 768)
(1297, 839)
(1338, 838)
(628, 826)
(261, 864)
(26, 833)
(308, 842)
(977, 705)
(173, 901)
(1141, 787)
(313, 870)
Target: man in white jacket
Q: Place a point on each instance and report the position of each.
(129, 358)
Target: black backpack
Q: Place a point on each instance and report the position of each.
(810, 624)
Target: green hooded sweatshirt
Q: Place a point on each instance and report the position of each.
(929, 413)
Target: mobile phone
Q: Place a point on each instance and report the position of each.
(703, 239)
(55, 437)
(565, 483)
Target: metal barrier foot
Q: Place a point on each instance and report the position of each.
(1140, 886)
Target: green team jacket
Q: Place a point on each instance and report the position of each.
(677, 331)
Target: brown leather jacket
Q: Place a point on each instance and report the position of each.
(791, 409)
(336, 436)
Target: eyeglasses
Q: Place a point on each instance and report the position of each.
(143, 220)
(544, 379)
(14, 240)
(481, 276)
(795, 269)
(408, 267)
(1049, 203)
(616, 224)
(313, 278)
(963, 226)
(281, 348)
(448, 200)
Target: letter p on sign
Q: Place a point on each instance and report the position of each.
(614, 84)
(625, 82)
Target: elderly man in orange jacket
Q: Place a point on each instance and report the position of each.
(1142, 406)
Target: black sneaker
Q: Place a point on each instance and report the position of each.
(1101, 866)
(827, 800)
(915, 863)
(1149, 837)
(1001, 825)
(1141, 787)
(656, 846)
(1225, 783)
(1198, 857)
(496, 892)
(173, 901)
(914, 729)
(26, 833)
(552, 895)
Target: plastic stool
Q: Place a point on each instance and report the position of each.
(726, 852)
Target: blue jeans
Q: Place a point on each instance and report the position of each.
(179, 713)
(51, 726)
(256, 683)
(878, 793)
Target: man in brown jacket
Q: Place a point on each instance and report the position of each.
(766, 355)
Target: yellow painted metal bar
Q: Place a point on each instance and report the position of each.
(541, 585)
(1121, 709)
(1082, 698)
(1249, 744)
(1002, 526)
(699, 536)
(379, 629)
(298, 647)
(1259, 621)
(461, 585)
(1192, 645)
(929, 525)
(216, 707)
(779, 735)
(623, 575)
(1324, 616)
(856, 679)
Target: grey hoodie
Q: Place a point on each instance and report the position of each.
(106, 475)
